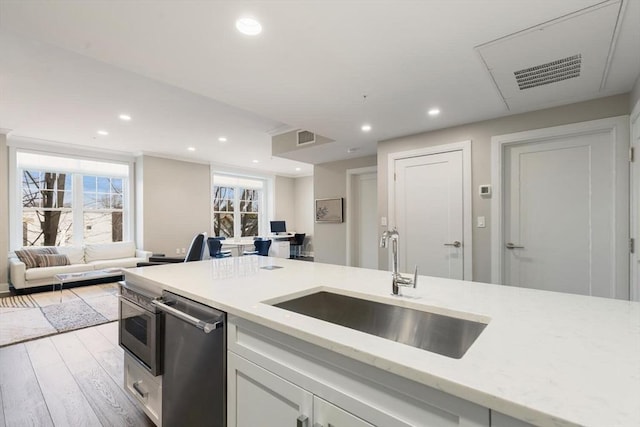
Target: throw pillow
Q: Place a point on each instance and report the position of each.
(30, 256)
(51, 260)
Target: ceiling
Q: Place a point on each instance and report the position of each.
(187, 76)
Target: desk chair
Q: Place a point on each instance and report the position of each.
(262, 248)
(296, 243)
(195, 253)
(215, 248)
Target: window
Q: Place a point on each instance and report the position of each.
(237, 206)
(67, 201)
(103, 209)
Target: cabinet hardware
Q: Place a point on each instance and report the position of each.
(512, 246)
(455, 244)
(136, 387)
(302, 421)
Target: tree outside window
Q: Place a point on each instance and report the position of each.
(47, 217)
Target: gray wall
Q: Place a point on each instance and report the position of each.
(480, 134)
(4, 212)
(330, 180)
(173, 203)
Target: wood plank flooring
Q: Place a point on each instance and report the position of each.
(71, 379)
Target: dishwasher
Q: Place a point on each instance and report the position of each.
(194, 352)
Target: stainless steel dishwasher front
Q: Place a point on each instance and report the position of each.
(194, 379)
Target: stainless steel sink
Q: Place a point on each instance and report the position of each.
(445, 335)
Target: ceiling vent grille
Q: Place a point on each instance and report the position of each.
(306, 137)
(551, 72)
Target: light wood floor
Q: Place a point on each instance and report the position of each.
(70, 379)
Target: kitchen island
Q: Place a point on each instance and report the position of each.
(544, 358)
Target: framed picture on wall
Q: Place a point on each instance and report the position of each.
(329, 210)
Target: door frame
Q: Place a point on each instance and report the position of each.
(350, 212)
(467, 219)
(634, 200)
(618, 127)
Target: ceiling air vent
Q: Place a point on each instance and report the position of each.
(306, 137)
(551, 72)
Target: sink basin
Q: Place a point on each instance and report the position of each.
(445, 335)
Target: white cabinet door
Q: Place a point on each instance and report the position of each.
(327, 415)
(256, 397)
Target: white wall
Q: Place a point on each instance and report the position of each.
(330, 180)
(175, 204)
(634, 96)
(285, 202)
(4, 212)
(480, 134)
(303, 194)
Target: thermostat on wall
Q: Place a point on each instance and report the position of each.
(485, 190)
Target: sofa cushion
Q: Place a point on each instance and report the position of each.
(98, 252)
(30, 255)
(51, 260)
(121, 262)
(49, 272)
(74, 253)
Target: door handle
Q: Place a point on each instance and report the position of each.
(302, 421)
(455, 244)
(512, 246)
(201, 324)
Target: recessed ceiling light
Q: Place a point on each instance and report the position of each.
(254, 161)
(366, 127)
(103, 132)
(222, 139)
(249, 26)
(298, 169)
(434, 111)
(124, 117)
(191, 148)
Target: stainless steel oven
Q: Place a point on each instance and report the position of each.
(140, 327)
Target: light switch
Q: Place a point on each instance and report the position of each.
(481, 223)
(383, 221)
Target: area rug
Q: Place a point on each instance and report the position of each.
(71, 315)
(37, 315)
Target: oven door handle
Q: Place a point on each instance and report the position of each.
(201, 324)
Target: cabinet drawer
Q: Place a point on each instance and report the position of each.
(146, 388)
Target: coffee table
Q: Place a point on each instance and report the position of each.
(84, 276)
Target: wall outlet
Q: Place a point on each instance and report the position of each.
(383, 221)
(183, 250)
(481, 222)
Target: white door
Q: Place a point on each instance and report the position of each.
(429, 214)
(256, 397)
(560, 215)
(365, 238)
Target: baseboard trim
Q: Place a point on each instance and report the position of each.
(4, 288)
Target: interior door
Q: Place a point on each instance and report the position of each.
(365, 248)
(429, 214)
(560, 216)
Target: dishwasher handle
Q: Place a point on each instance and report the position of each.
(201, 324)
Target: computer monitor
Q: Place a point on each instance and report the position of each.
(278, 227)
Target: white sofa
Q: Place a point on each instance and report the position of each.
(82, 258)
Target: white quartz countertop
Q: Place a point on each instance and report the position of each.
(547, 358)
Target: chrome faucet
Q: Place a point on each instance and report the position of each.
(397, 278)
